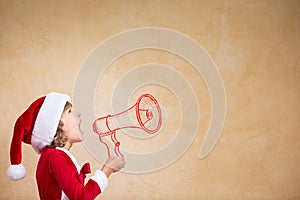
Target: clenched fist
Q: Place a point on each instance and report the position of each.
(113, 164)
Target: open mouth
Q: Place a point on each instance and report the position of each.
(79, 127)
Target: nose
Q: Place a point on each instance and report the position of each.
(78, 114)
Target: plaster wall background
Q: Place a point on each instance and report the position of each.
(255, 45)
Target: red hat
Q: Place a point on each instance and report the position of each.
(36, 126)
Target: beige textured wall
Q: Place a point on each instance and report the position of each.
(256, 46)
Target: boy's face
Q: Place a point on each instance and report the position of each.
(71, 120)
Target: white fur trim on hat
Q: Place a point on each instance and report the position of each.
(47, 120)
(16, 172)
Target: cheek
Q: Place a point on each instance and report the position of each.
(71, 129)
(68, 126)
(75, 129)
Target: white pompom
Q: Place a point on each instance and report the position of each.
(16, 172)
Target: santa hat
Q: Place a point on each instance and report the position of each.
(36, 126)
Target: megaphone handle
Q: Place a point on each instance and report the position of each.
(116, 143)
(106, 145)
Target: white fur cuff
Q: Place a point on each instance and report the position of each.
(100, 177)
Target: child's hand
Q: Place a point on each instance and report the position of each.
(113, 164)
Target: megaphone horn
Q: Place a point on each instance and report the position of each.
(145, 114)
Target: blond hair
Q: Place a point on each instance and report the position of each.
(60, 138)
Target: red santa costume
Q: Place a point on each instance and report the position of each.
(58, 174)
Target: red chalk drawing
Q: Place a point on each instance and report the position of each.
(145, 114)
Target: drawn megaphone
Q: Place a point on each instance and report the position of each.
(145, 114)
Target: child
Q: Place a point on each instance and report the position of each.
(51, 126)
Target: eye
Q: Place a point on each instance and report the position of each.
(69, 111)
